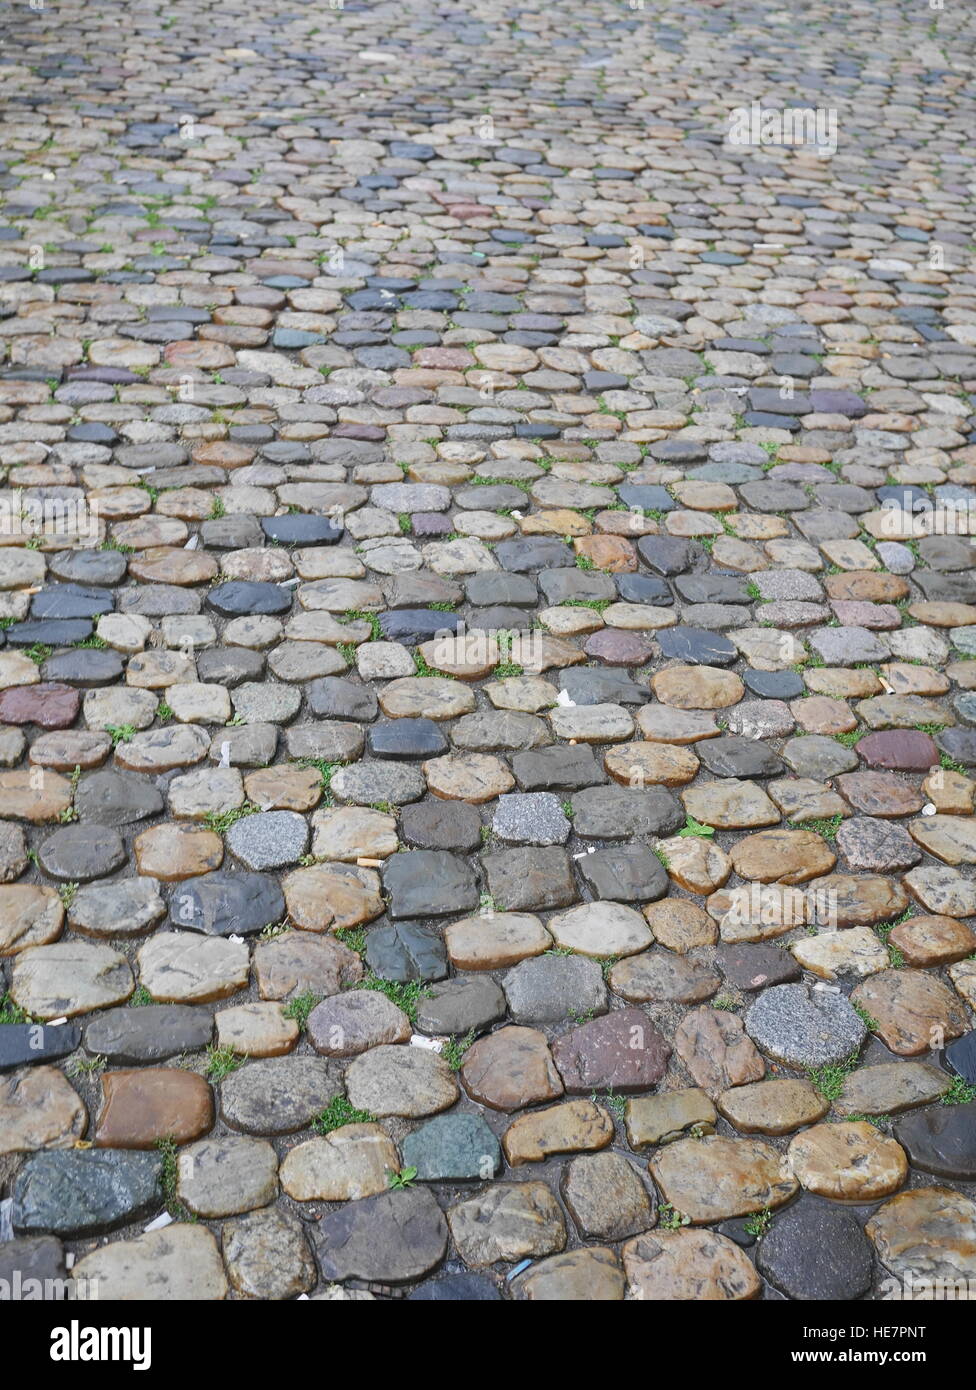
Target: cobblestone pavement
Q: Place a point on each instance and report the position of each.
(487, 698)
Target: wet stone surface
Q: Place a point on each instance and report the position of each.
(499, 699)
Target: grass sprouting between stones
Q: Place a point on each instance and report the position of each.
(300, 1007)
(339, 1112)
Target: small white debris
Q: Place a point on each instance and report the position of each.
(164, 1219)
(56, 1022)
(929, 810)
(565, 699)
(431, 1044)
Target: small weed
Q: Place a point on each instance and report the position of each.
(951, 765)
(959, 1093)
(170, 1180)
(454, 1049)
(300, 1007)
(120, 733)
(326, 772)
(829, 1080)
(406, 996)
(11, 1012)
(883, 932)
(424, 670)
(871, 1024)
(139, 998)
(353, 937)
(826, 828)
(692, 827)
(66, 892)
(606, 964)
(353, 615)
(273, 930)
(726, 1002)
(86, 1066)
(338, 1113)
(38, 652)
(221, 821)
(221, 1061)
(405, 1178)
(581, 1015)
(670, 1219)
(163, 713)
(613, 1102)
(759, 1223)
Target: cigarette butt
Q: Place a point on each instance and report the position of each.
(369, 863)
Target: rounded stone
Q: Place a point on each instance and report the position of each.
(814, 1251)
(351, 1023)
(227, 1175)
(850, 1161)
(353, 1162)
(688, 1265)
(803, 1027)
(712, 1179)
(407, 1081)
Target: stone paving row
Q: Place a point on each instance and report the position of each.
(487, 685)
